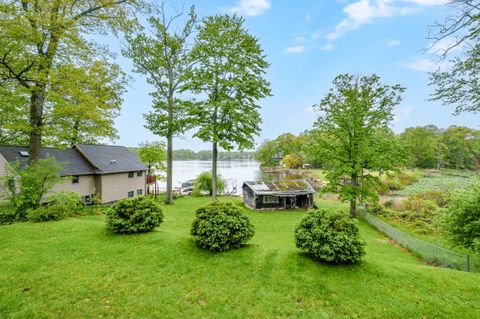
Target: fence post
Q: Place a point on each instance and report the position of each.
(468, 262)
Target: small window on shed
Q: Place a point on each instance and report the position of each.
(131, 174)
(139, 173)
(131, 194)
(270, 199)
(75, 179)
(139, 192)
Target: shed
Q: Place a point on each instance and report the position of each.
(278, 195)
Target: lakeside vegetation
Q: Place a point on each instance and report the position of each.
(92, 273)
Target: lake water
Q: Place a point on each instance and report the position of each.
(234, 172)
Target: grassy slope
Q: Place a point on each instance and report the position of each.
(72, 269)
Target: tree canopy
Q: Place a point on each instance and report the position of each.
(41, 39)
(229, 73)
(354, 135)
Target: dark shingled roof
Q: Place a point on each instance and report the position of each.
(280, 188)
(75, 163)
(110, 158)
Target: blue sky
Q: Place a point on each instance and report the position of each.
(308, 43)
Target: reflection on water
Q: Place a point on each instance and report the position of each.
(234, 172)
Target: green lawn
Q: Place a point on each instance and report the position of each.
(74, 269)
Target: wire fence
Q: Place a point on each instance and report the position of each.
(433, 254)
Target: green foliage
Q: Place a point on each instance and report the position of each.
(460, 221)
(229, 74)
(268, 154)
(59, 206)
(220, 227)
(437, 182)
(292, 161)
(330, 236)
(85, 100)
(7, 214)
(134, 215)
(271, 152)
(163, 54)
(153, 155)
(353, 136)
(394, 181)
(46, 58)
(26, 188)
(203, 184)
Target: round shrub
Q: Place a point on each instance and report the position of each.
(134, 215)
(221, 226)
(330, 236)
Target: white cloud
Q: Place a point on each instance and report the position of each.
(428, 3)
(327, 47)
(392, 43)
(295, 49)
(251, 7)
(367, 11)
(426, 65)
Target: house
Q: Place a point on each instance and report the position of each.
(278, 195)
(107, 172)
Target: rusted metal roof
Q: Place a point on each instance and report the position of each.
(280, 188)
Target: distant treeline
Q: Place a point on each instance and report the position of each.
(189, 155)
(422, 146)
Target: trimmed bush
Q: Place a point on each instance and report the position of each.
(221, 226)
(330, 236)
(60, 205)
(134, 215)
(46, 213)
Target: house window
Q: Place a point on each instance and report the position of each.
(139, 192)
(139, 174)
(270, 199)
(75, 179)
(131, 194)
(130, 174)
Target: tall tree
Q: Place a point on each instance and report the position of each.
(423, 145)
(152, 154)
(459, 36)
(36, 36)
(230, 74)
(83, 103)
(353, 126)
(164, 57)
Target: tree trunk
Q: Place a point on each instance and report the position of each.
(37, 99)
(353, 202)
(169, 194)
(214, 172)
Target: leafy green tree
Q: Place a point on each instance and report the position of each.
(40, 36)
(14, 125)
(229, 73)
(164, 57)
(460, 222)
(204, 183)
(462, 147)
(26, 187)
(83, 103)
(423, 146)
(268, 154)
(459, 84)
(292, 161)
(355, 115)
(153, 155)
